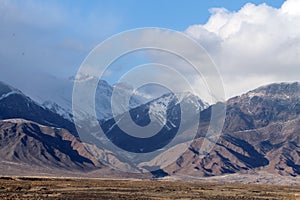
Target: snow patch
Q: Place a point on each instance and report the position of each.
(8, 94)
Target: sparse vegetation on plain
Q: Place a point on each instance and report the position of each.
(69, 188)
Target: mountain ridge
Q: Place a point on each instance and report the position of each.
(261, 134)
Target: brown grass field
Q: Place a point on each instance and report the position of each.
(76, 188)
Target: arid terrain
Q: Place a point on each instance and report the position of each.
(70, 188)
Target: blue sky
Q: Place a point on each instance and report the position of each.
(54, 37)
(176, 14)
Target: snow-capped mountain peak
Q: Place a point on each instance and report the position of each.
(54, 107)
(158, 108)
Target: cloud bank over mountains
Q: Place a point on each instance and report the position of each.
(253, 46)
(257, 44)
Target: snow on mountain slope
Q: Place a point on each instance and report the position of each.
(54, 107)
(159, 106)
(7, 94)
(6, 90)
(103, 97)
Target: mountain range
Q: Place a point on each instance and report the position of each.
(260, 133)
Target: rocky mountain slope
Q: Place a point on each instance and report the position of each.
(27, 142)
(261, 132)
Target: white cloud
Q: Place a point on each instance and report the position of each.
(291, 7)
(256, 45)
